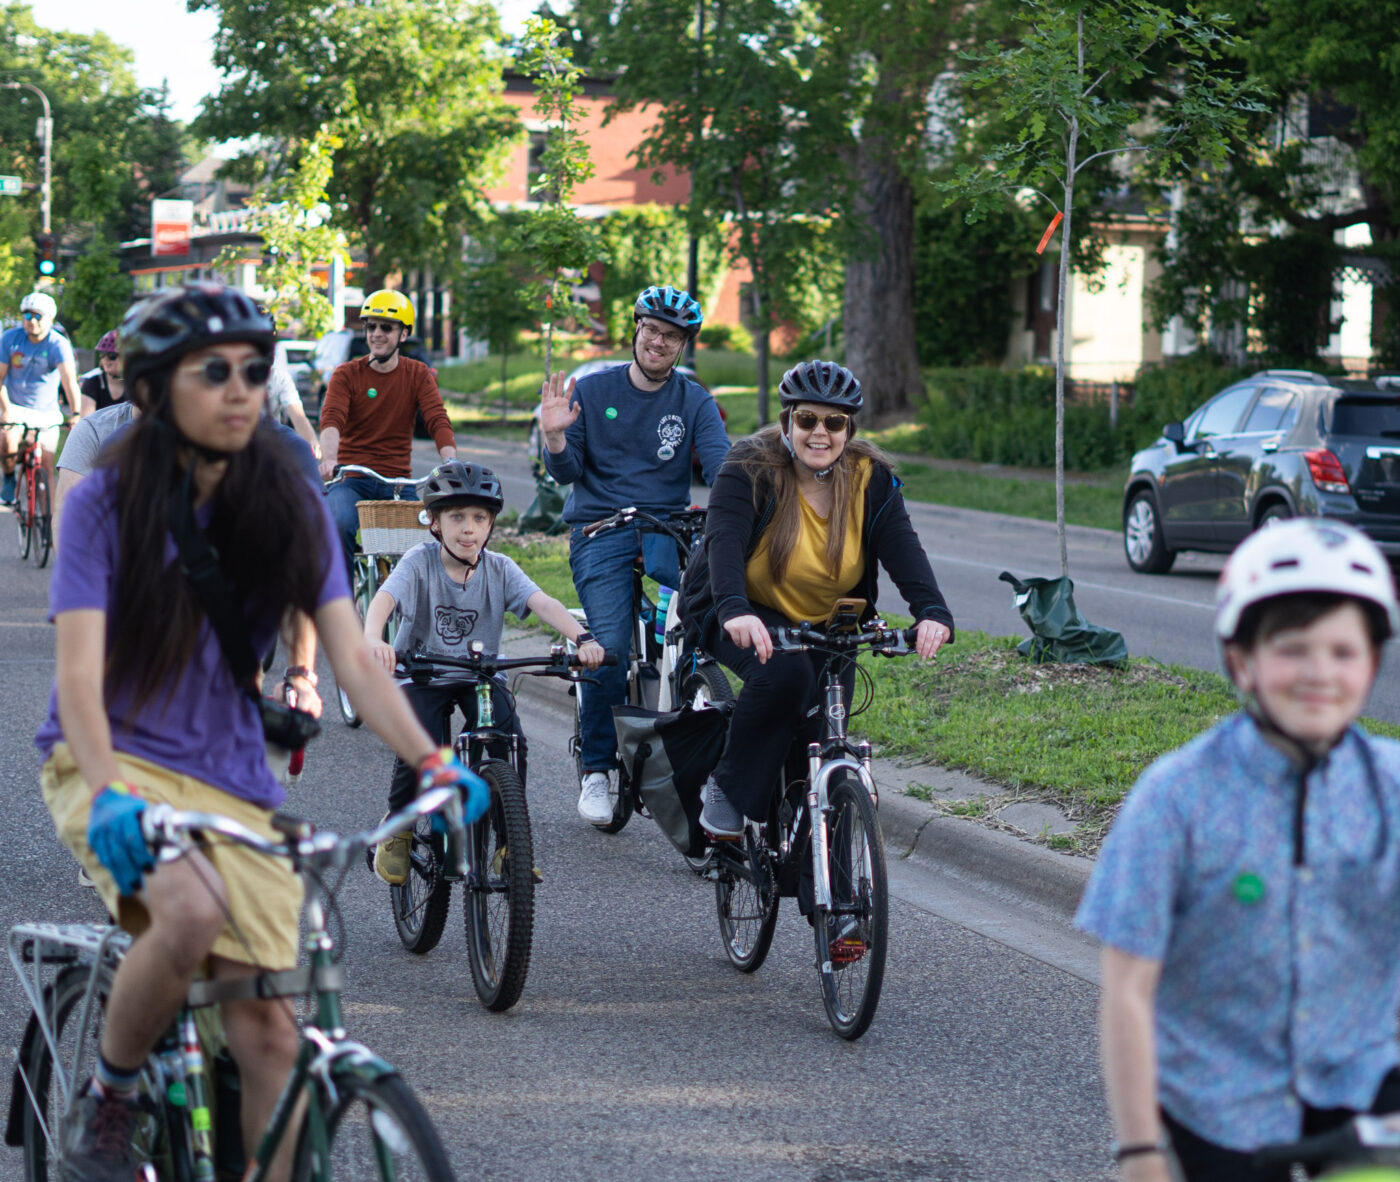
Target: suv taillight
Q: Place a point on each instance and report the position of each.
(1327, 471)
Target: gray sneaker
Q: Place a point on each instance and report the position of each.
(97, 1138)
(718, 817)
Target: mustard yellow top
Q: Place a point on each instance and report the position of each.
(808, 592)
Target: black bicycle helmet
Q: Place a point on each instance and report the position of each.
(671, 305)
(821, 381)
(157, 332)
(456, 483)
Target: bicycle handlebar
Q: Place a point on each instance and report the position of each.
(343, 470)
(559, 663)
(681, 527)
(167, 828)
(1357, 1140)
(885, 641)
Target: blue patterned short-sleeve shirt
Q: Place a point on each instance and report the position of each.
(1280, 981)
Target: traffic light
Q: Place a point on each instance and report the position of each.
(46, 255)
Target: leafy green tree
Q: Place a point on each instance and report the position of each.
(647, 244)
(98, 293)
(292, 213)
(411, 88)
(1092, 80)
(495, 294)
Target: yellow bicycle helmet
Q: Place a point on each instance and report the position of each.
(388, 305)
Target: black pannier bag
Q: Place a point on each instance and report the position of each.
(668, 756)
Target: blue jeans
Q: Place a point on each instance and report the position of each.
(341, 498)
(602, 570)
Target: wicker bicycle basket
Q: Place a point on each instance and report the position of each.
(390, 527)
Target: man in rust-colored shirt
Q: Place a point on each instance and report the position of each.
(368, 414)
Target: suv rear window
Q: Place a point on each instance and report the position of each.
(1367, 416)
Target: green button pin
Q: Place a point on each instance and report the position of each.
(372, 392)
(611, 412)
(1248, 889)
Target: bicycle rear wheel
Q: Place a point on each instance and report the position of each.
(362, 593)
(41, 525)
(375, 1129)
(852, 935)
(22, 509)
(704, 685)
(747, 903)
(500, 893)
(421, 903)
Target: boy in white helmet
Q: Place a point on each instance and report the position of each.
(1248, 896)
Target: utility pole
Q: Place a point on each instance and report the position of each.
(46, 146)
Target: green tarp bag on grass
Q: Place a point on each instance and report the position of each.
(1059, 633)
(546, 512)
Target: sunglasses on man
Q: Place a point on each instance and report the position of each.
(807, 420)
(31, 315)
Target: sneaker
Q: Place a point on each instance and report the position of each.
(500, 866)
(843, 939)
(96, 1138)
(595, 802)
(7, 491)
(718, 817)
(391, 861)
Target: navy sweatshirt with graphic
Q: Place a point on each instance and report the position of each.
(632, 447)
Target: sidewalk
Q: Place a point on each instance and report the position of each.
(916, 830)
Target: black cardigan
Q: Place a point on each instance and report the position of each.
(715, 587)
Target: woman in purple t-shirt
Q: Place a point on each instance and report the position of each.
(146, 708)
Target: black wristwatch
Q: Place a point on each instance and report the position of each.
(301, 671)
(583, 638)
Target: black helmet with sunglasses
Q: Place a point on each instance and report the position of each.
(823, 382)
(157, 332)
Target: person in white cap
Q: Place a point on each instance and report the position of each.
(1248, 894)
(34, 361)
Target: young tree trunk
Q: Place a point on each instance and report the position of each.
(879, 296)
(760, 351)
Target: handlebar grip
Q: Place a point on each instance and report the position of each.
(610, 659)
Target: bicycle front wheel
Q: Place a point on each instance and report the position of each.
(421, 903)
(22, 510)
(500, 891)
(363, 592)
(41, 525)
(376, 1129)
(852, 934)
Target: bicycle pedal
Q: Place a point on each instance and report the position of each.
(845, 952)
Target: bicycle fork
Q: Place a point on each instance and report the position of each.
(819, 773)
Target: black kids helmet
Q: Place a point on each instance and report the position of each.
(821, 381)
(157, 332)
(456, 483)
(671, 305)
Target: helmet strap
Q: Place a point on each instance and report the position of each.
(822, 474)
(466, 562)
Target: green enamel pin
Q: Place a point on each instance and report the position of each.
(611, 412)
(372, 392)
(1248, 889)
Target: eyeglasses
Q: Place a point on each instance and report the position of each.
(217, 371)
(807, 420)
(381, 326)
(31, 315)
(106, 357)
(669, 339)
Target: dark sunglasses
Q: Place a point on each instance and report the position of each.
(216, 371)
(31, 315)
(106, 357)
(808, 420)
(381, 325)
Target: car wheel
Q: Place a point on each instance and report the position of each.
(1273, 515)
(1143, 543)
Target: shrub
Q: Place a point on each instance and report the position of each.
(734, 338)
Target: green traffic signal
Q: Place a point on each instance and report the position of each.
(46, 255)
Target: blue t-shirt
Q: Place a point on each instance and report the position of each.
(205, 726)
(632, 447)
(32, 379)
(1280, 982)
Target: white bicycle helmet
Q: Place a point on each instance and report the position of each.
(1302, 556)
(41, 302)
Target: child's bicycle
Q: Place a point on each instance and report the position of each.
(662, 672)
(1365, 1149)
(498, 877)
(33, 510)
(826, 825)
(388, 530)
(349, 1113)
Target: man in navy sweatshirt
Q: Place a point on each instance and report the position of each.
(623, 437)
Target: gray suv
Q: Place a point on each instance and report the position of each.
(1282, 443)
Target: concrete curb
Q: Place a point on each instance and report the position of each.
(914, 830)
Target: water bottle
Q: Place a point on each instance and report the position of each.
(663, 604)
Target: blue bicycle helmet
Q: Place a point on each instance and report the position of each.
(821, 381)
(671, 305)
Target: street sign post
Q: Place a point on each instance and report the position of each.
(11, 186)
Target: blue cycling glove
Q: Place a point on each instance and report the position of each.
(443, 770)
(114, 833)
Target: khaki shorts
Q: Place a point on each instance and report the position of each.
(264, 895)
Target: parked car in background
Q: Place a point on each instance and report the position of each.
(535, 444)
(1282, 443)
(299, 358)
(345, 344)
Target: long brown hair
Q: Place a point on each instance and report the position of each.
(767, 462)
(271, 545)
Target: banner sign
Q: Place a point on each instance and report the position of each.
(171, 223)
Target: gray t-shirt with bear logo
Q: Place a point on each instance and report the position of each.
(441, 617)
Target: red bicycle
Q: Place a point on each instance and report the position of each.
(33, 506)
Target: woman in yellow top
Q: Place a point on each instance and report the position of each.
(799, 517)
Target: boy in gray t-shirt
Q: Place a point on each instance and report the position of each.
(450, 592)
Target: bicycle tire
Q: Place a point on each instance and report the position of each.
(748, 911)
(360, 596)
(421, 904)
(500, 900)
(853, 972)
(22, 509)
(375, 1129)
(703, 686)
(41, 525)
